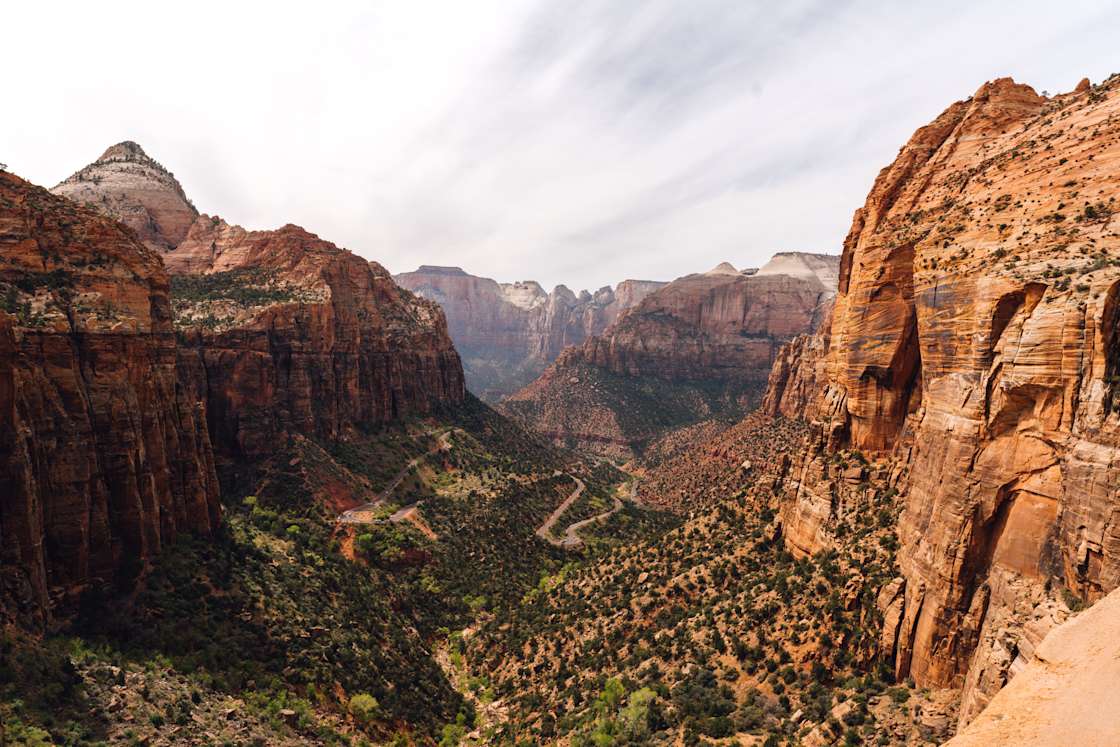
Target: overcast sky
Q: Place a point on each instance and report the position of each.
(564, 141)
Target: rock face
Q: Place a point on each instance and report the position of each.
(702, 346)
(715, 326)
(1068, 693)
(975, 334)
(104, 457)
(798, 376)
(804, 265)
(283, 331)
(126, 184)
(718, 325)
(508, 332)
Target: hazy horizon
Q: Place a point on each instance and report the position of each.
(578, 145)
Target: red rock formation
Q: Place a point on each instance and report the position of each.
(700, 347)
(713, 326)
(125, 184)
(104, 458)
(287, 332)
(975, 334)
(798, 376)
(508, 332)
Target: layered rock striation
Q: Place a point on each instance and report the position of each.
(127, 393)
(508, 332)
(698, 348)
(104, 456)
(128, 185)
(975, 337)
(798, 376)
(284, 332)
(717, 325)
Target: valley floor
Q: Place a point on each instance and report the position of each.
(455, 581)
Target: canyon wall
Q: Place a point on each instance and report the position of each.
(698, 348)
(283, 331)
(278, 331)
(718, 325)
(798, 376)
(975, 339)
(104, 457)
(126, 392)
(508, 332)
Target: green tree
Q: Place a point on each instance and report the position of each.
(363, 707)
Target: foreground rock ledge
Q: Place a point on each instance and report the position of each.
(1069, 694)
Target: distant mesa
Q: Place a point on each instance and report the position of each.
(508, 332)
(699, 347)
(440, 270)
(805, 265)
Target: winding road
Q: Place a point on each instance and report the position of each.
(572, 540)
(366, 513)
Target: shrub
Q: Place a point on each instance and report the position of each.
(363, 707)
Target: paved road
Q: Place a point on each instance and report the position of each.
(571, 534)
(412, 514)
(544, 531)
(572, 540)
(366, 513)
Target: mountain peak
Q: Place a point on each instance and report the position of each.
(723, 268)
(128, 185)
(126, 150)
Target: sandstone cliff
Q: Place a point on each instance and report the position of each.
(798, 377)
(712, 326)
(508, 332)
(104, 457)
(128, 185)
(975, 337)
(700, 347)
(1069, 692)
(285, 332)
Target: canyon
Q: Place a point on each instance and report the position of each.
(138, 377)
(281, 331)
(507, 333)
(867, 498)
(278, 331)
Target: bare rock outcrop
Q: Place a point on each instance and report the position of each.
(285, 332)
(104, 456)
(508, 332)
(279, 331)
(128, 185)
(799, 375)
(806, 265)
(1067, 692)
(975, 336)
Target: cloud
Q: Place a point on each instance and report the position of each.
(576, 142)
